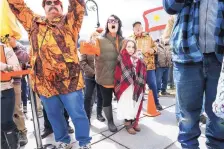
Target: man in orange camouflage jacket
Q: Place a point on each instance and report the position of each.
(148, 48)
(56, 74)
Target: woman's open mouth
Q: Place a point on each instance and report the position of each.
(113, 26)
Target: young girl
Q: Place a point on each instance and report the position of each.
(130, 80)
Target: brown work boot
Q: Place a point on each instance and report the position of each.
(129, 128)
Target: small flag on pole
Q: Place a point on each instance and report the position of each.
(155, 19)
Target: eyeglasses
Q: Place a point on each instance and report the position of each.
(51, 2)
(112, 21)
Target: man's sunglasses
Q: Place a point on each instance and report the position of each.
(112, 21)
(51, 2)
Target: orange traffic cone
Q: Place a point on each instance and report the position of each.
(151, 107)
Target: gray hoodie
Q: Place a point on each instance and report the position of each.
(207, 21)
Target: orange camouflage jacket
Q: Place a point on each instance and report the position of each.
(143, 43)
(54, 57)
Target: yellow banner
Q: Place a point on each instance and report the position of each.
(8, 22)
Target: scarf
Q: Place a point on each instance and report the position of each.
(126, 74)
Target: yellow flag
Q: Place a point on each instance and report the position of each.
(8, 22)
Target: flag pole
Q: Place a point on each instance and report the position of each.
(36, 121)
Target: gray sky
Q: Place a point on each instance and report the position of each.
(128, 11)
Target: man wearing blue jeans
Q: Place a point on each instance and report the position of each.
(74, 104)
(197, 44)
(56, 74)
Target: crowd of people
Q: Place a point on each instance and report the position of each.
(188, 57)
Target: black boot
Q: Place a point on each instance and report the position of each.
(100, 117)
(109, 115)
(4, 144)
(159, 107)
(12, 139)
(99, 114)
(46, 132)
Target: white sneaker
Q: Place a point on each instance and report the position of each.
(88, 146)
(65, 146)
(40, 114)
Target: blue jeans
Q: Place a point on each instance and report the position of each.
(192, 82)
(162, 78)
(177, 109)
(74, 104)
(151, 81)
